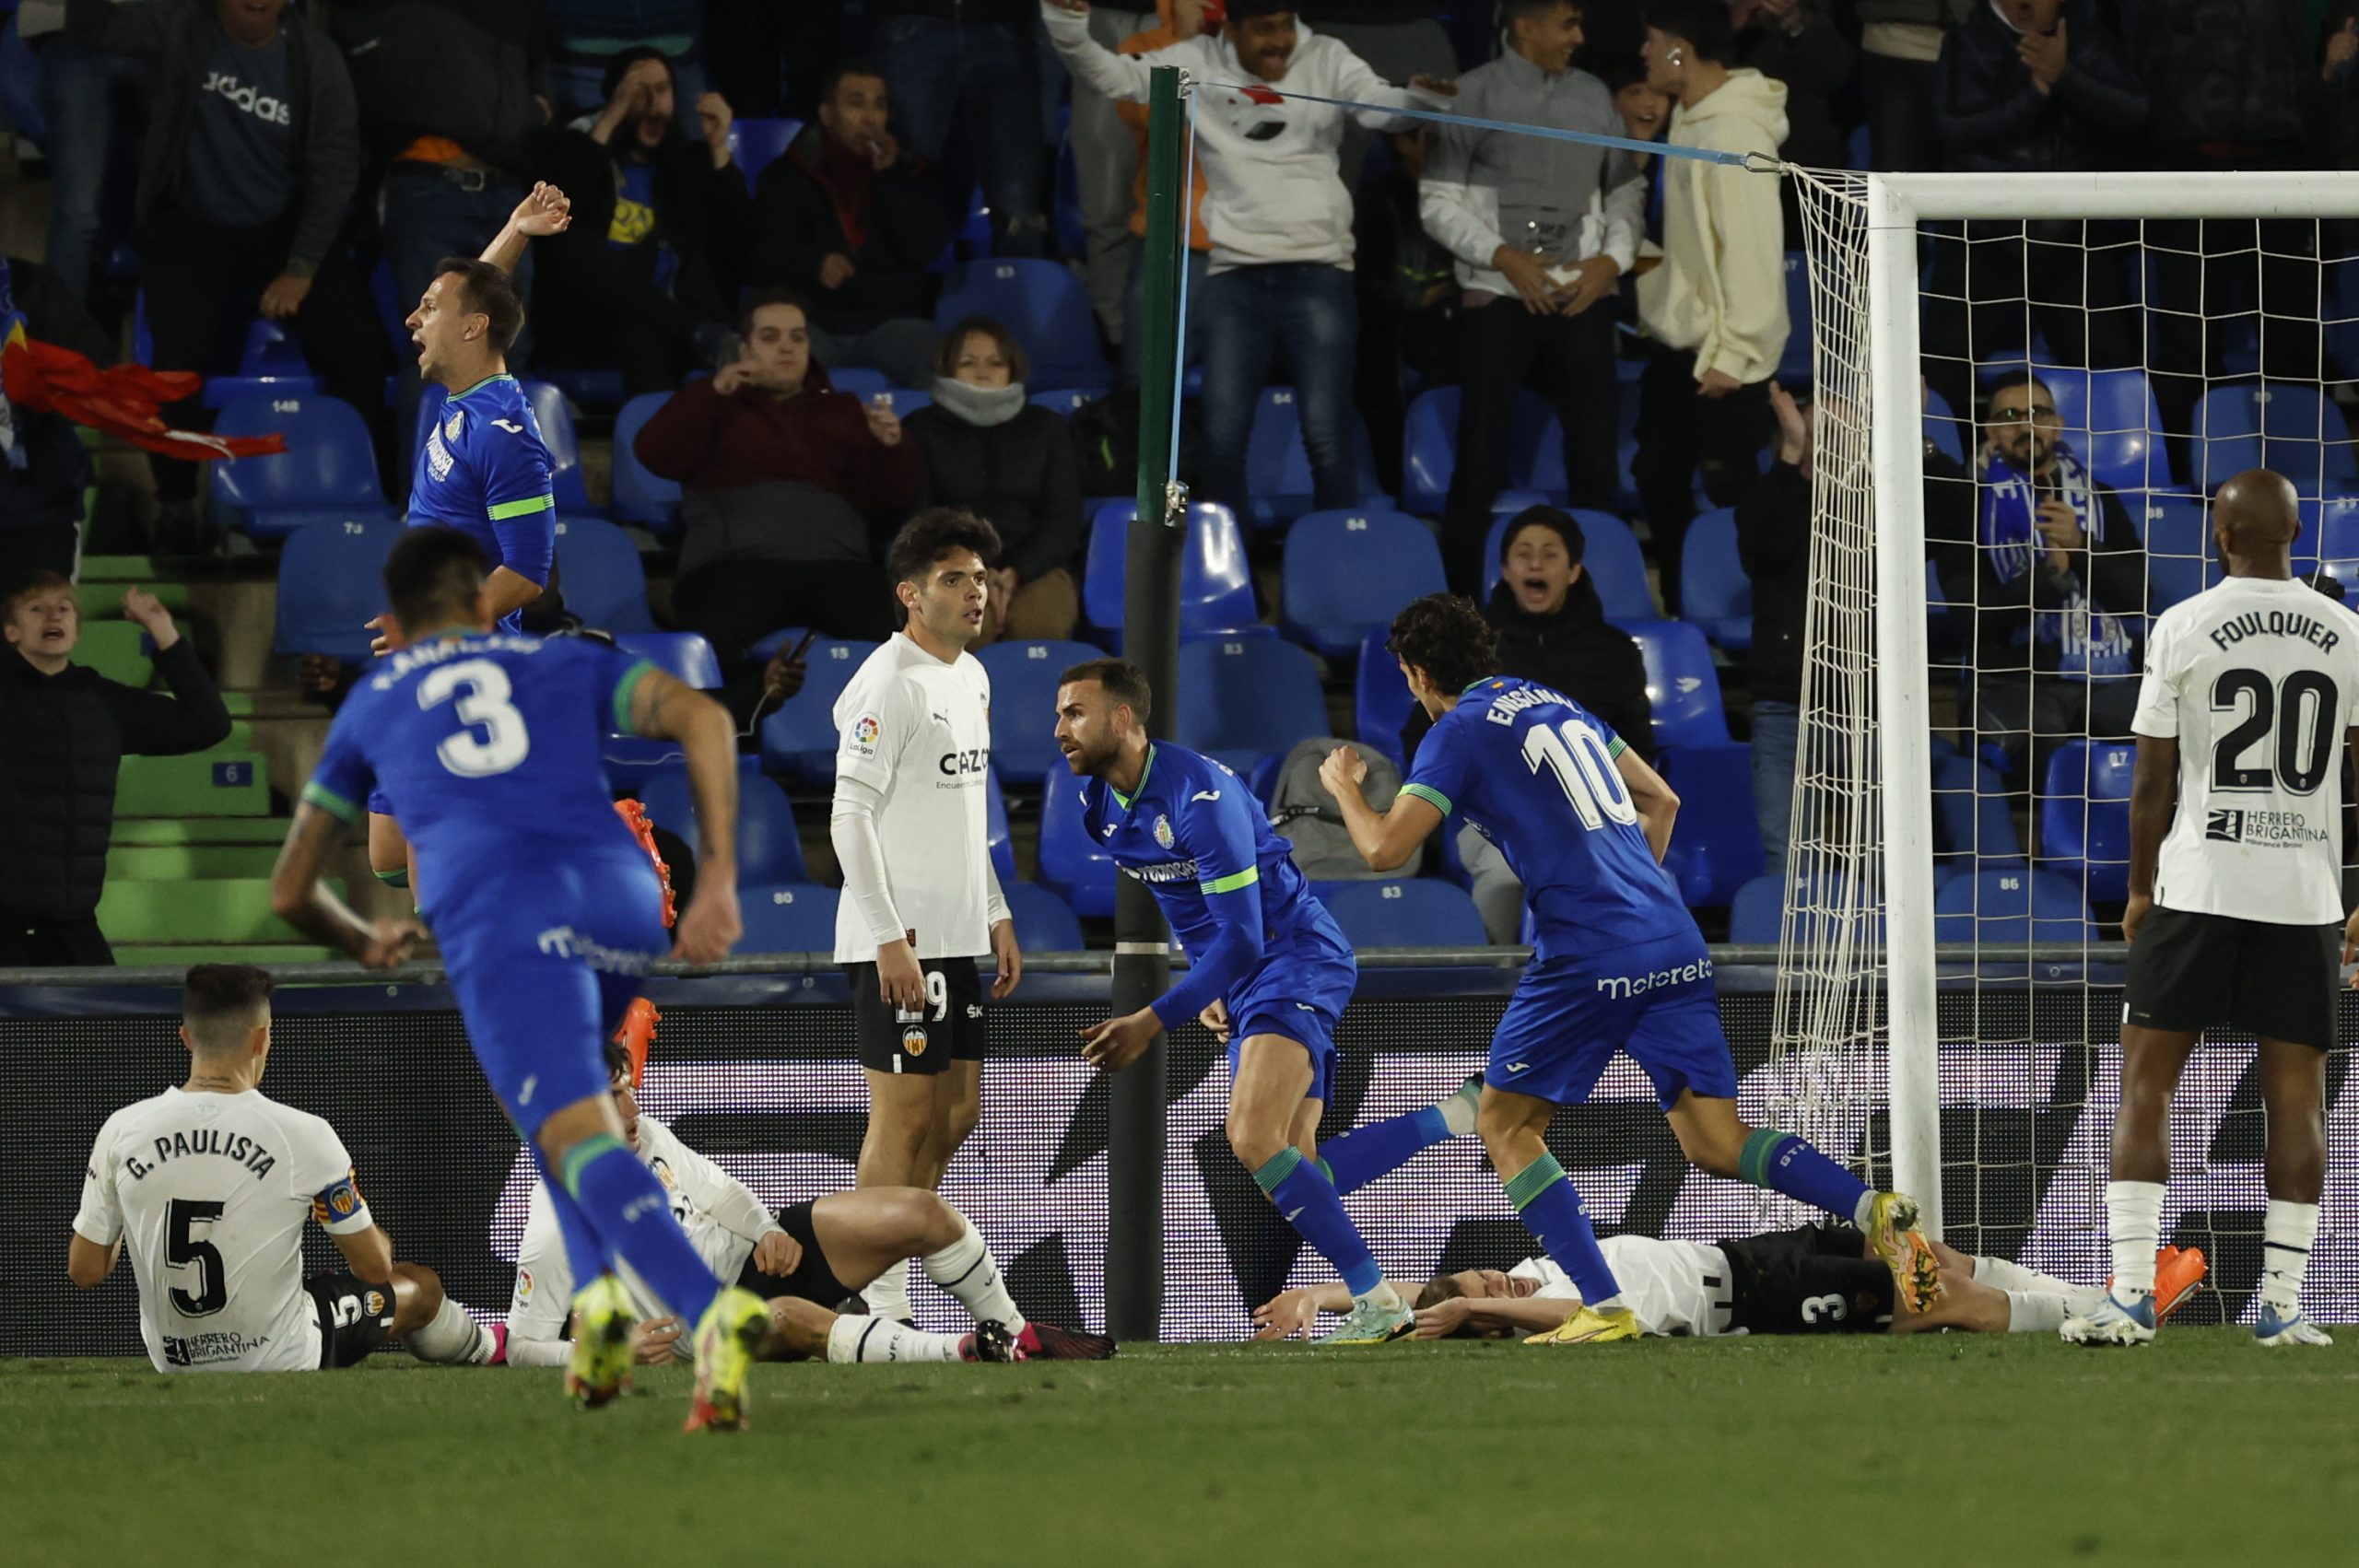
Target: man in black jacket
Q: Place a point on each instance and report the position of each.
(646, 279)
(853, 223)
(67, 727)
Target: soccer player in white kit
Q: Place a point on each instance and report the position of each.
(208, 1185)
(2237, 915)
(921, 902)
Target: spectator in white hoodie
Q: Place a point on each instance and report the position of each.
(1717, 305)
(1277, 214)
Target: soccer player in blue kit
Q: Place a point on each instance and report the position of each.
(547, 911)
(1268, 966)
(1619, 963)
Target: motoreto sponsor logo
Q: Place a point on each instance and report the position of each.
(1639, 985)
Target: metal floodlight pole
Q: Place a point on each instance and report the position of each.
(1151, 637)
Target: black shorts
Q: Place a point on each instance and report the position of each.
(951, 1028)
(2189, 972)
(1811, 1280)
(814, 1278)
(355, 1317)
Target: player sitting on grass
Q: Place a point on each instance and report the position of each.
(207, 1186)
(1620, 964)
(806, 1254)
(1820, 1279)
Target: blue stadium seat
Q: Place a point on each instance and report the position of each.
(330, 585)
(995, 834)
(1044, 304)
(1072, 863)
(905, 402)
(1216, 581)
(2010, 905)
(1714, 592)
(1716, 845)
(1347, 573)
(799, 737)
(769, 848)
(1411, 912)
(1944, 428)
(2292, 428)
(1757, 913)
(1381, 701)
(328, 472)
(1044, 922)
(1277, 463)
(600, 574)
(1066, 402)
(2084, 815)
(270, 363)
(1971, 823)
(1794, 368)
(2110, 418)
(755, 144)
(788, 917)
(684, 655)
(555, 418)
(1024, 699)
(641, 496)
(2178, 531)
(2333, 526)
(1244, 699)
(1610, 554)
(860, 382)
(1681, 683)
(587, 388)
(1429, 443)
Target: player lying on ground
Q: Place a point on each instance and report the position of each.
(2236, 917)
(1264, 950)
(547, 911)
(1820, 1279)
(806, 1258)
(1620, 964)
(207, 1186)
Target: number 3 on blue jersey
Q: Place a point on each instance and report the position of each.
(482, 690)
(1584, 769)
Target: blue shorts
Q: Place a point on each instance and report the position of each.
(1570, 1015)
(378, 804)
(544, 959)
(1298, 994)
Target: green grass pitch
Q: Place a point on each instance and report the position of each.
(2203, 1449)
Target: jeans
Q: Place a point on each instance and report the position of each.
(933, 67)
(95, 105)
(1192, 330)
(1309, 309)
(1777, 736)
(1106, 165)
(428, 217)
(1900, 113)
(902, 348)
(1681, 432)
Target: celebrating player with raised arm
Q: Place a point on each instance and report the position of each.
(911, 831)
(1620, 966)
(547, 911)
(2236, 916)
(208, 1185)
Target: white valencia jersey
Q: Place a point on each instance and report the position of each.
(724, 1220)
(1669, 1285)
(918, 732)
(2257, 679)
(209, 1194)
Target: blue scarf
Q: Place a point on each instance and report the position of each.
(2087, 641)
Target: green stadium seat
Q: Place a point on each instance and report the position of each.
(183, 912)
(117, 568)
(103, 601)
(269, 830)
(117, 649)
(186, 862)
(221, 783)
(179, 955)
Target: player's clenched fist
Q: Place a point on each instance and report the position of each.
(777, 1253)
(710, 927)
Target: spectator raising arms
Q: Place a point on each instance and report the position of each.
(1278, 215)
(645, 280)
(852, 224)
(778, 468)
(67, 729)
(987, 450)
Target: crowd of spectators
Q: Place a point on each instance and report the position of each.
(1358, 231)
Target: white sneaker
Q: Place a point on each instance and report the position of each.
(2111, 1322)
(2295, 1330)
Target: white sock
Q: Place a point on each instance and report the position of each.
(1458, 1110)
(1384, 1295)
(967, 1270)
(2034, 1312)
(880, 1338)
(453, 1337)
(2003, 1275)
(2134, 1219)
(887, 1295)
(2287, 1236)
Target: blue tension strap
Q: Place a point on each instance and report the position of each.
(1767, 164)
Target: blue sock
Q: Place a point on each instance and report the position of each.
(585, 1255)
(1553, 1210)
(626, 1203)
(1381, 1148)
(1785, 1162)
(1307, 1199)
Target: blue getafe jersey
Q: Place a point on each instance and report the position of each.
(1534, 771)
(1193, 833)
(484, 471)
(488, 742)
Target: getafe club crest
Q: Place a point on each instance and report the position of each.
(1163, 831)
(450, 426)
